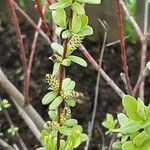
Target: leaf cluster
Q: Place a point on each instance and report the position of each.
(134, 130)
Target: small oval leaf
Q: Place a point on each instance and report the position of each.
(78, 8)
(78, 60)
(65, 82)
(66, 62)
(55, 68)
(70, 102)
(48, 98)
(55, 103)
(70, 122)
(57, 48)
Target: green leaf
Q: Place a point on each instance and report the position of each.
(117, 145)
(90, 1)
(84, 20)
(83, 137)
(49, 97)
(62, 145)
(78, 60)
(65, 82)
(55, 103)
(75, 24)
(130, 106)
(57, 48)
(52, 115)
(65, 130)
(145, 123)
(109, 122)
(55, 68)
(66, 62)
(122, 118)
(128, 146)
(130, 127)
(59, 17)
(87, 30)
(70, 86)
(59, 30)
(148, 65)
(66, 34)
(140, 139)
(22, 4)
(78, 8)
(141, 109)
(70, 122)
(59, 5)
(70, 102)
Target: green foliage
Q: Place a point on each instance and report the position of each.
(13, 130)
(4, 104)
(72, 29)
(129, 30)
(67, 93)
(134, 130)
(74, 139)
(22, 4)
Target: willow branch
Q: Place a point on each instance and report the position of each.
(122, 45)
(41, 14)
(13, 92)
(143, 39)
(30, 21)
(21, 47)
(97, 67)
(109, 81)
(5, 145)
(28, 121)
(17, 135)
(144, 51)
(36, 34)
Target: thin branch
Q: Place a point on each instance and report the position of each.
(13, 92)
(109, 81)
(30, 21)
(115, 42)
(102, 135)
(17, 135)
(132, 20)
(36, 34)
(122, 45)
(5, 145)
(91, 124)
(28, 121)
(21, 47)
(41, 14)
(140, 79)
(61, 77)
(144, 50)
(143, 39)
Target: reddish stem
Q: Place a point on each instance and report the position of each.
(122, 45)
(21, 47)
(41, 14)
(36, 34)
(61, 77)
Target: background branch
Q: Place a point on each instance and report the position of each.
(22, 49)
(13, 92)
(122, 45)
(5, 145)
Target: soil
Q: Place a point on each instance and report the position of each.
(108, 100)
